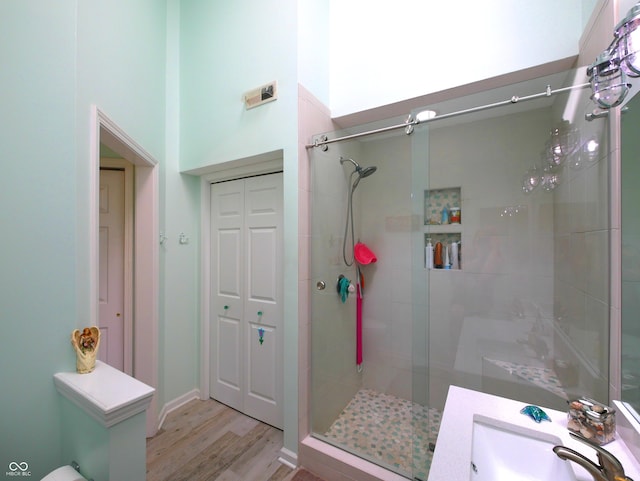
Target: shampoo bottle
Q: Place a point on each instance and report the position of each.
(438, 261)
(447, 261)
(455, 264)
(428, 253)
(445, 215)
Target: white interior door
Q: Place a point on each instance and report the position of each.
(246, 331)
(227, 224)
(111, 268)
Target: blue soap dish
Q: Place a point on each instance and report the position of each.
(535, 413)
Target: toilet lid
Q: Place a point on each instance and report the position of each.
(64, 473)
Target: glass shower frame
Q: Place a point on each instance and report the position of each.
(493, 325)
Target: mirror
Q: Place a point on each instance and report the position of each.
(630, 232)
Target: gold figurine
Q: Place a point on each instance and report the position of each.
(86, 344)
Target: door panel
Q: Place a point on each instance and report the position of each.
(227, 379)
(262, 381)
(229, 276)
(246, 251)
(262, 270)
(229, 376)
(263, 298)
(111, 268)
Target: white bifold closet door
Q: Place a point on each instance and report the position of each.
(246, 296)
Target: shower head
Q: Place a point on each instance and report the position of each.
(367, 171)
(362, 172)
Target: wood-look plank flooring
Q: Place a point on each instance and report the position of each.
(207, 441)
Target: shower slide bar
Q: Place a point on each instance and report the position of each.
(323, 141)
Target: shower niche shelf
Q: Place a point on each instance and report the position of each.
(435, 200)
(446, 239)
(443, 229)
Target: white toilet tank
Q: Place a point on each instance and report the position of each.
(64, 473)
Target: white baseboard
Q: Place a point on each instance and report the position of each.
(288, 458)
(175, 404)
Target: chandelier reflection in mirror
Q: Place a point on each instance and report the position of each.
(609, 74)
(565, 145)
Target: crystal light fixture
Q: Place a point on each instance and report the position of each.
(562, 143)
(608, 81)
(531, 180)
(608, 74)
(628, 37)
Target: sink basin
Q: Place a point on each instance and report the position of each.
(502, 451)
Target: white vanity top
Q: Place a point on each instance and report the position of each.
(451, 461)
(106, 394)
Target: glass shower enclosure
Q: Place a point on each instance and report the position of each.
(479, 225)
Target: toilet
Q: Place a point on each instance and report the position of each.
(65, 473)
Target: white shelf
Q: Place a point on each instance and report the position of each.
(106, 394)
(443, 228)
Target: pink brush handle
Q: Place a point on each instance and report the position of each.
(359, 328)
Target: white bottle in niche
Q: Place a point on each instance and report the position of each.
(455, 264)
(428, 255)
(447, 259)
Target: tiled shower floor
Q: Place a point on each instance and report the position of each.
(389, 430)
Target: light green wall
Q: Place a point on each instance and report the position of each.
(228, 48)
(179, 337)
(59, 58)
(128, 65)
(38, 215)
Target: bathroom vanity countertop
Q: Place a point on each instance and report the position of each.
(452, 456)
(106, 394)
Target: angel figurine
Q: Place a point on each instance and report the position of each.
(86, 344)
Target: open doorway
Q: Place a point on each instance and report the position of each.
(143, 288)
(115, 260)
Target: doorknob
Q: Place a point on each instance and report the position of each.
(320, 285)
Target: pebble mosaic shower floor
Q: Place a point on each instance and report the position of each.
(392, 431)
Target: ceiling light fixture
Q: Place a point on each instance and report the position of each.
(608, 74)
(628, 41)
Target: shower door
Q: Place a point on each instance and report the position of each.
(378, 413)
(335, 379)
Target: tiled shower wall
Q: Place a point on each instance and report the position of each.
(501, 256)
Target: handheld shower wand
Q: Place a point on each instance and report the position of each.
(362, 173)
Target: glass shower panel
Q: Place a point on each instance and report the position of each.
(426, 418)
(515, 304)
(630, 222)
(335, 380)
(525, 313)
(368, 411)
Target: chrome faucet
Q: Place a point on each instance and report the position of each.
(609, 469)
